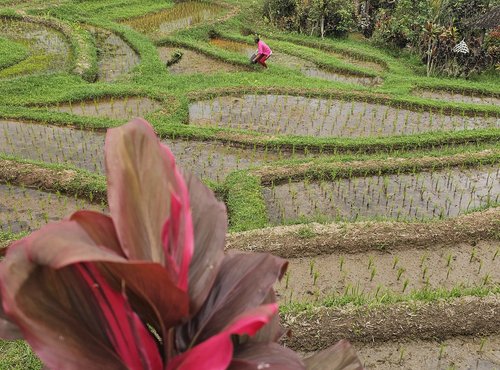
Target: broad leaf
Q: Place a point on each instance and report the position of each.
(243, 282)
(210, 227)
(216, 352)
(55, 312)
(265, 356)
(341, 356)
(142, 181)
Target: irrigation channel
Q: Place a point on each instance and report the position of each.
(297, 115)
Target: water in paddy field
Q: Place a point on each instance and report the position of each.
(458, 98)
(296, 115)
(422, 195)
(180, 16)
(85, 149)
(192, 62)
(48, 47)
(115, 108)
(290, 61)
(23, 209)
(115, 56)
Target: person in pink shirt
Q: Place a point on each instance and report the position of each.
(263, 53)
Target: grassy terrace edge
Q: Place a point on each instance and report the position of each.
(422, 315)
(245, 201)
(82, 44)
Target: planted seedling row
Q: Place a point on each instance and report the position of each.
(85, 149)
(181, 15)
(295, 115)
(23, 209)
(377, 273)
(415, 196)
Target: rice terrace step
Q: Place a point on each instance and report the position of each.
(366, 157)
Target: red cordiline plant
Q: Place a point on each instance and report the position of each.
(149, 286)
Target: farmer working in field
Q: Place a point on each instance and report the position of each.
(263, 53)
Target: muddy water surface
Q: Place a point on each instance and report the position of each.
(23, 209)
(295, 115)
(472, 353)
(115, 56)
(180, 16)
(114, 108)
(378, 272)
(50, 51)
(192, 62)
(458, 98)
(290, 61)
(418, 196)
(85, 149)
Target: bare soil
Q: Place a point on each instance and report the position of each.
(180, 16)
(85, 149)
(458, 98)
(402, 271)
(436, 320)
(362, 237)
(23, 209)
(192, 62)
(414, 196)
(295, 115)
(291, 61)
(115, 56)
(114, 108)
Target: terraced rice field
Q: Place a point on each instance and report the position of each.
(115, 56)
(24, 209)
(49, 50)
(378, 184)
(114, 108)
(180, 16)
(296, 115)
(291, 61)
(84, 149)
(192, 62)
(406, 197)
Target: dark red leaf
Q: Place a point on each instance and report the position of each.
(142, 179)
(243, 282)
(210, 227)
(216, 352)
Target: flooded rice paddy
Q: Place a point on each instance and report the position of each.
(49, 49)
(423, 195)
(180, 16)
(295, 115)
(192, 62)
(290, 61)
(457, 97)
(23, 209)
(114, 108)
(115, 56)
(85, 149)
